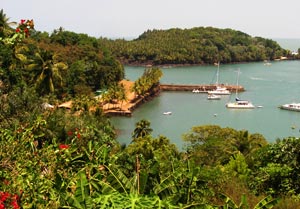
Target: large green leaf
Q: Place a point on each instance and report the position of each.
(266, 203)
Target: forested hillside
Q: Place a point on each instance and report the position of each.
(59, 63)
(194, 46)
(68, 157)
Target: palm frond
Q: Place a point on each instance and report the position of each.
(266, 203)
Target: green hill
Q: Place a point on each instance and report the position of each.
(201, 45)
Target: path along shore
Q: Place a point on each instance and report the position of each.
(125, 108)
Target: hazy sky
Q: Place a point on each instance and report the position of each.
(130, 18)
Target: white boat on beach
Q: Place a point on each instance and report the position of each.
(291, 106)
(239, 103)
(220, 90)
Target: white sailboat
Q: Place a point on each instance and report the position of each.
(220, 90)
(238, 103)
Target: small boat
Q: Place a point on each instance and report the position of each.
(213, 97)
(220, 90)
(291, 106)
(196, 91)
(267, 63)
(167, 113)
(238, 103)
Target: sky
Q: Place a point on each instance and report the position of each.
(130, 18)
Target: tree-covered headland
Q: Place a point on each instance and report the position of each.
(200, 45)
(69, 158)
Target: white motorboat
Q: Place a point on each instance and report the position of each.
(167, 113)
(291, 106)
(220, 90)
(213, 97)
(239, 103)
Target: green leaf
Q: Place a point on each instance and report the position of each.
(266, 203)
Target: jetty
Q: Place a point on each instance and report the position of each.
(203, 88)
(126, 108)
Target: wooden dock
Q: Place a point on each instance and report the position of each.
(201, 87)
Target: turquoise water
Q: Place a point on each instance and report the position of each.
(267, 86)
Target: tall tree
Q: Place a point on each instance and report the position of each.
(5, 25)
(142, 128)
(47, 71)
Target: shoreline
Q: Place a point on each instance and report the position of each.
(149, 64)
(127, 108)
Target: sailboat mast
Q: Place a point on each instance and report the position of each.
(217, 82)
(237, 83)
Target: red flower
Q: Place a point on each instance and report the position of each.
(15, 204)
(63, 146)
(2, 206)
(78, 135)
(4, 196)
(18, 30)
(16, 197)
(22, 21)
(70, 133)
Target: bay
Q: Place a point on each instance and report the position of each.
(267, 86)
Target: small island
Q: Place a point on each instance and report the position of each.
(195, 46)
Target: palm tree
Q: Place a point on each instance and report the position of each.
(5, 25)
(142, 128)
(248, 143)
(47, 71)
(122, 94)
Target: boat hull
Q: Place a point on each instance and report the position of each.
(291, 107)
(236, 105)
(213, 97)
(220, 92)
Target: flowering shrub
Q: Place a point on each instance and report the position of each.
(22, 31)
(8, 200)
(24, 27)
(63, 146)
(74, 134)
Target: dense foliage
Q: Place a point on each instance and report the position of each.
(194, 46)
(61, 63)
(69, 158)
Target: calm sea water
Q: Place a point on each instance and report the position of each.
(267, 86)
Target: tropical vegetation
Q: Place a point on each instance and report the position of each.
(54, 157)
(200, 45)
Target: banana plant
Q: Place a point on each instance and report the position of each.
(266, 203)
(81, 198)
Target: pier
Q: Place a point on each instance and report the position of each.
(203, 88)
(126, 108)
